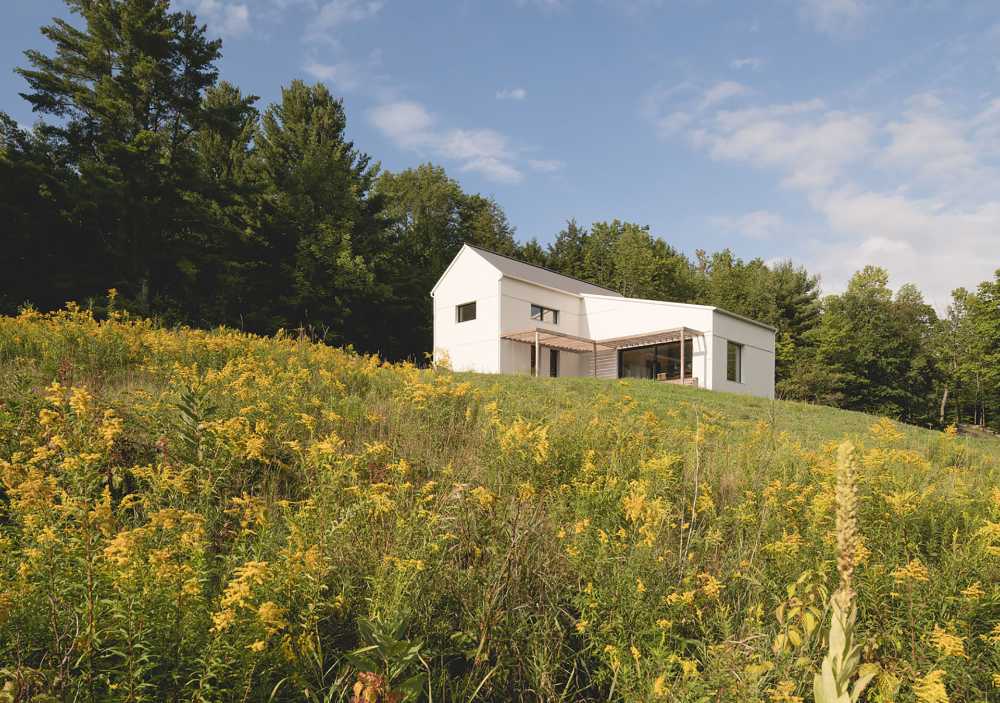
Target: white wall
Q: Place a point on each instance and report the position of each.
(515, 316)
(757, 377)
(608, 317)
(473, 345)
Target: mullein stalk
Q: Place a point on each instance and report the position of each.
(843, 658)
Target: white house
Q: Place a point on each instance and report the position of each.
(495, 314)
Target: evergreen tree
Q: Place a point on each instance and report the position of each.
(321, 225)
(126, 90)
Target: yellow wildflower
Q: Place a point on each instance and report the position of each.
(272, 617)
(914, 571)
(974, 591)
(783, 693)
(710, 585)
(483, 495)
(660, 686)
(930, 688)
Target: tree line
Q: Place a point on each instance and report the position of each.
(147, 173)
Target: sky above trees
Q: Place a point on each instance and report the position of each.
(839, 133)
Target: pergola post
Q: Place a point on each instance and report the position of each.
(538, 356)
(682, 356)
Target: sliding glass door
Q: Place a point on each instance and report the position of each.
(647, 362)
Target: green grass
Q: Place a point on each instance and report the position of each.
(214, 516)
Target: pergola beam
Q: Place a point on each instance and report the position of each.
(581, 345)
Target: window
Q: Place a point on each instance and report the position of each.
(531, 349)
(543, 314)
(734, 362)
(466, 312)
(649, 362)
(553, 362)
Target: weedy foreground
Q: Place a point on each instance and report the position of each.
(209, 515)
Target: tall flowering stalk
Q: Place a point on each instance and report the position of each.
(842, 661)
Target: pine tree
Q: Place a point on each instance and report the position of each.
(126, 91)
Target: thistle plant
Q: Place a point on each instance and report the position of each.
(842, 661)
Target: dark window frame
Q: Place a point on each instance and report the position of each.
(688, 357)
(465, 306)
(541, 313)
(734, 372)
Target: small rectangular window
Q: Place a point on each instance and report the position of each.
(544, 314)
(553, 362)
(734, 362)
(466, 312)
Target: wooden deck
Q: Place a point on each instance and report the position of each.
(662, 377)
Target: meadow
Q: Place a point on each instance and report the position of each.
(193, 515)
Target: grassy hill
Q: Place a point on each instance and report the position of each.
(192, 515)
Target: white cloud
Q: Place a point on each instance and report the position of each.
(348, 75)
(545, 165)
(759, 224)
(914, 192)
(345, 75)
(807, 145)
(547, 5)
(406, 123)
(512, 94)
(754, 63)
(721, 92)
(834, 16)
(228, 19)
(336, 13)
(921, 240)
(483, 151)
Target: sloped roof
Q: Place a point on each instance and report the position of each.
(512, 268)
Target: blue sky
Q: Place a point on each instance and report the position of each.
(836, 133)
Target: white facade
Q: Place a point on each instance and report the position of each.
(504, 291)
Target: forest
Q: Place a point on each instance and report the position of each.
(150, 183)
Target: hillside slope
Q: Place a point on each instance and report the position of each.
(211, 516)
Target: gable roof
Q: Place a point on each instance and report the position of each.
(512, 268)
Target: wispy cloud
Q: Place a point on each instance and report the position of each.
(483, 151)
(547, 5)
(889, 190)
(345, 75)
(545, 165)
(227, 19)
(759, 224)
(753, 63)
(349, 75)
(721, 92)
(837, 17)
(512, 94)
(336, 13)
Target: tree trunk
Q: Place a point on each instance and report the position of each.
(944, 403)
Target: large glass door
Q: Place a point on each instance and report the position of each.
(648, 362)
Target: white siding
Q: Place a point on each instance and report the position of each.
(608, 317)
(473, 345)
(516, 298)
(757, 372)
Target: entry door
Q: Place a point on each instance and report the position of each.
(553, 362)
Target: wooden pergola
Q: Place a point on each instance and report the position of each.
(572, 343)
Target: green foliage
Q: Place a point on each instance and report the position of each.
(872, 351)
